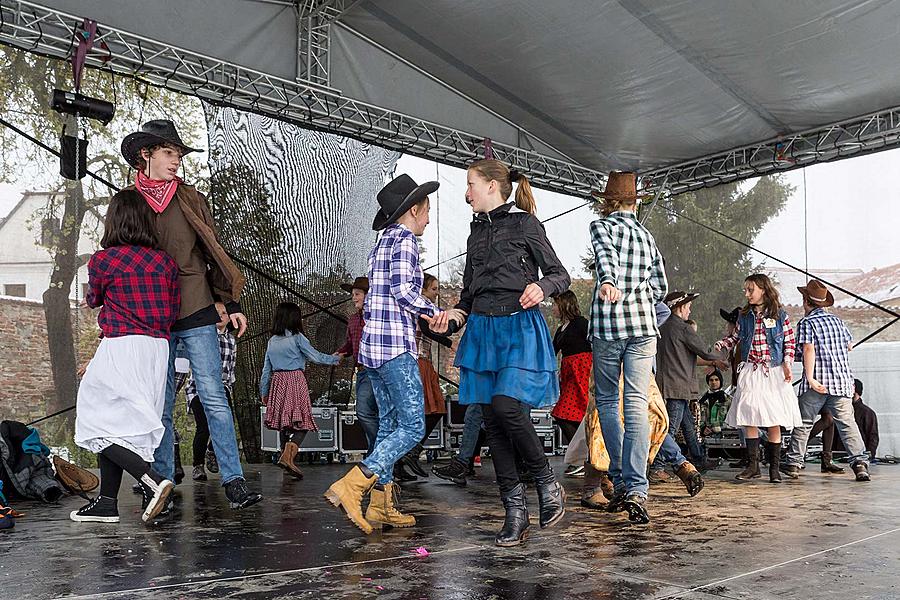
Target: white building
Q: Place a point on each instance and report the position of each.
(26, 264)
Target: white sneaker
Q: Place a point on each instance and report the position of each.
(160, 491)
(574, 471)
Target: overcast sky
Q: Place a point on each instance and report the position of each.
(853, 215)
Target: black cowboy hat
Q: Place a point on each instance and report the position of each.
(675, 299)
(360, 283)
(160, 131)
(397, 197)
(732, 316)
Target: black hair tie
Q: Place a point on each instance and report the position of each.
(514, 175)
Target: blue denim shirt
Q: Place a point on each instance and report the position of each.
(290, 353)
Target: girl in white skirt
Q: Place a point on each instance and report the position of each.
(764, 397)
(122, 393)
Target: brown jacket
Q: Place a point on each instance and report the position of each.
(225, 280)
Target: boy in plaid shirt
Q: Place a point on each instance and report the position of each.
(827, 381)
(630, 282)
(388, 352)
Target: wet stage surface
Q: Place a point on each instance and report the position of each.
(823, 536)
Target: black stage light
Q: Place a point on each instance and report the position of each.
(72, 103)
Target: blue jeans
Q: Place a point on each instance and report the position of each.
(629, 447)
(471, 430)
(366, 408)
(401, 413)
(201, 346)
(680, 417)
(811, 402)
(669, 453)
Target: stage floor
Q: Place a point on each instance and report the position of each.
(820, 537)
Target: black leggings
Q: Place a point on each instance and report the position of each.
(115, 459)
(568, 429)
(292, 435)
(201, 436)
(510, 432)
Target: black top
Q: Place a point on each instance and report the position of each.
(573, 339)
(505, 249)
(712, 397)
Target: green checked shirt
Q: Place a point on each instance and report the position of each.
(625, 255)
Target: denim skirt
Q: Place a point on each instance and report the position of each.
(510, 356)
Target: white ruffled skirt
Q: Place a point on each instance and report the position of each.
(763, 399)
(122, 395)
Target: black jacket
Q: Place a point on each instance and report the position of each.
(506, 247)
(573, 339)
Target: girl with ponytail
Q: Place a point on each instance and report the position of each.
(506, 358)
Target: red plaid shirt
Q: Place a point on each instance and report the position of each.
(355, 326)
(137, 288)
(759, 349)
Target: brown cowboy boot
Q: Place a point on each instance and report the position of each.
(691, 478)
(286, 461)
(381, 509)
(347, 494)
(592, 495)
(828, 466)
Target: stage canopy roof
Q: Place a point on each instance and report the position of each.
(692, 93)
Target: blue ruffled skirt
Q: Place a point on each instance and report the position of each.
(507, 356)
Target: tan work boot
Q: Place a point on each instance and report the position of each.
(286, 461)
(347, 494)
(592, 493)
(381, 509)
(690, 477)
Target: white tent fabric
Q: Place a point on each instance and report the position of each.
(626, 84)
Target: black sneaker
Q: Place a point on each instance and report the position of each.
(634, 504)
(239, 496)
(155, 496)
(454, 471)
(212, 464)
(862, 471)
(99, 510)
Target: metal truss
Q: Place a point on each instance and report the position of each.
(314, 19)
(854, 137)
(35, 28)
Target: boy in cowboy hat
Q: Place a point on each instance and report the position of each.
(388, 352)
(631, 280)
(827, 380)
(207, 275)
(680, 351)
(366, 408)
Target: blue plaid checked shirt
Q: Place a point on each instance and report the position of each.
(625, 255)
(394, 302)
(831, 339)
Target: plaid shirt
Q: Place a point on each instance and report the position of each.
(626, 256)
(395, 300)
(759, 349)
(228, 351)
(830, 337)
(137, 288)
(355, 326)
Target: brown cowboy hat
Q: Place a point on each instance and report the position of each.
(360, 283)
(621, 185)
(816, 293)
(675, 299)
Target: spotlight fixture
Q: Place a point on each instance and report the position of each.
(72, 103)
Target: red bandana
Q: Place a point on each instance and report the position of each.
(158, 194)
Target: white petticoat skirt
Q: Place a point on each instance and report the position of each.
(763, 399)
(122, 395)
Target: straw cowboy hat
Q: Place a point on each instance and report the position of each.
(620, 186)
(159, 131)
(816, 293)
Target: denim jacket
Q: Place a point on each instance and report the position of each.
(774, 337)
(290, 353)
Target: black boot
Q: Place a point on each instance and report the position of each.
(179, 470)
(401, 474)
(743, 462)
(411, 460)
(774, 461)
(515, 525)
(454, 471)
(752, 470)
(828, 466)
(551, 499)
